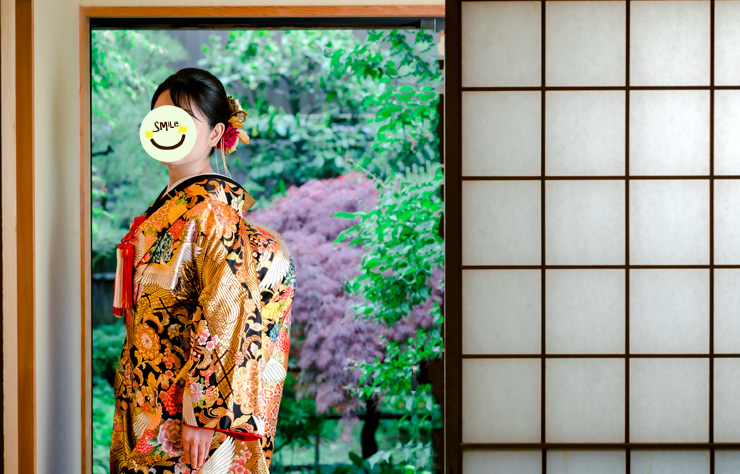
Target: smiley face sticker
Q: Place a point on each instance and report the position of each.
(168, 133)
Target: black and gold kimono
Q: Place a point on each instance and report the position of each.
(208, 334)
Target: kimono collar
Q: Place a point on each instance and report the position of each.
(214, 186)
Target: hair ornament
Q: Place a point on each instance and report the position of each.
(234, 130)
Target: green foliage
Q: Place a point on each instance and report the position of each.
(299, 421)
(385, 465)
(104, 403)
(304, 121)
(107, 342)
(411, 451)
(335, 99)
(124, 68)
(402, 246)
(391, 378)
(406, 458)
(406, 107)
(401, 243)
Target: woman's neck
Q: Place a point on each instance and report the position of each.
(179, 172)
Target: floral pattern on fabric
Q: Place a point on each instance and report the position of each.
(207, 340)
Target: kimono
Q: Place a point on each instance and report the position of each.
(207, 334)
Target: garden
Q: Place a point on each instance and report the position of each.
(344, 162)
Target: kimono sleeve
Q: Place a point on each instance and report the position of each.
(277, 301)
(223, 369)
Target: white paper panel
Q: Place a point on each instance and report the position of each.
(669, 43)
(669, 400)
(726, 138)
(726, 221)
(501, 400)
(501, 133)
(585, 43)
(669, 462)
(669, 311)
(501, 222)
(502, 311)
(726, 408)
(726, 461)
(584, 400)
(584, 133)
(726, 39)
(586, 462)
(669, 222)
(669, 132)
(585, 311)
(501, 43)
(502, 462)
(726, 310)
(585, 222)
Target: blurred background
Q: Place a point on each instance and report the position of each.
(344, 161)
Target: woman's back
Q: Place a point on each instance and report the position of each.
(208, 334)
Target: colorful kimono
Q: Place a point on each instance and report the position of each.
(207, 333)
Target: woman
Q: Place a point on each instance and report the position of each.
(200, 377)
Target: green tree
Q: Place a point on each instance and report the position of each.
(305, 122)
(400, 238)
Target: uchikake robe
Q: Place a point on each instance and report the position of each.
(208, 334)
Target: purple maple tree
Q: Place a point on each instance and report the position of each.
(325, 333)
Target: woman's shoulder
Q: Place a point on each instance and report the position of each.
(221, 189)
(266, 244)
(270, 251)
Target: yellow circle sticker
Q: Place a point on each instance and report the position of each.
(168, 133)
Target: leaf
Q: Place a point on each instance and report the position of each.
(405, 93)
(345, 234)
(389, 109)
(356, 458)
(347, 215)
(373, 262)
(335, 58)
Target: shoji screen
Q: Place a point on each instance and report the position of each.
(599, 186)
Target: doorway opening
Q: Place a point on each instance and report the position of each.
(345, 120)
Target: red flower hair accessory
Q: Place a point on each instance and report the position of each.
(234, 129)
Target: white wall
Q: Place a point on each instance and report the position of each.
(57, 228)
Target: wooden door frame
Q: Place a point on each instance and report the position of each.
(18, 320)
(85, 14)
(453, 239)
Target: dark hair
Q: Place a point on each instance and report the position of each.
(202, 88)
